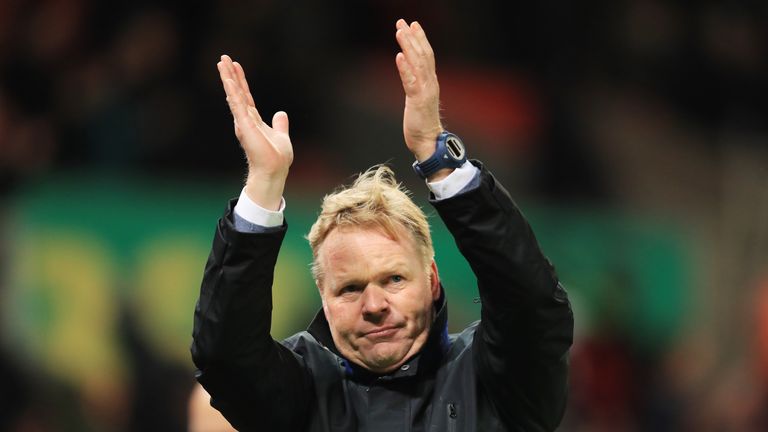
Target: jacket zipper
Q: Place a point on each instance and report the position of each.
(452, 415)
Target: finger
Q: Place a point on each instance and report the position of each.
(237, 104)
(227, 60)
(403, 36)
(226, 68)
(228, 71)
(234, 100)
(240, 73)
(411, 35)
(230, 68)
(407, 77)
(412, 55)
(254, 113)
(280, 122)
(223, 73)
(420, 37)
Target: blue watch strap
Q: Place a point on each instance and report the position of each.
(442, 158)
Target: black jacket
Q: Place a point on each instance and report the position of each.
(506, 372)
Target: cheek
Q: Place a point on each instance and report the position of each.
(418, 306)
(343, 316)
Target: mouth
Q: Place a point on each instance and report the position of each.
(382, 332)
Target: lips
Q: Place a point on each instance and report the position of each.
(382, 332)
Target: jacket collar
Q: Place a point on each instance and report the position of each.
(426, 360)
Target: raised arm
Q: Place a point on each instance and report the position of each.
(520, 347)
(421, 116)
(267, 149)
(257, 383)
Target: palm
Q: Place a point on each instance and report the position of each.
(416, 64)
(268, 149)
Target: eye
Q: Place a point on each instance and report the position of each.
(396, 278)
(349, 289)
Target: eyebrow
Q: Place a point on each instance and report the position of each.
(395, 268)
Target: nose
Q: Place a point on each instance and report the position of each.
(375, 303)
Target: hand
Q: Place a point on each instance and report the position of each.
(416, 64)
(268, 149)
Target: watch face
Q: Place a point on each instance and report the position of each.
(455, 147)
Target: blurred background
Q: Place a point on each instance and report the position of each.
(632, 133)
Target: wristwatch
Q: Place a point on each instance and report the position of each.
(449, 153)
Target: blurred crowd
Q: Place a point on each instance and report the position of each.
(655, 108)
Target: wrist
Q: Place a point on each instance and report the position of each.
(423, 145)
(266, 191)
(440, 175)
(448, 153)
(427, 149)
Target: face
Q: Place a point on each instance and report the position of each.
(377, 296)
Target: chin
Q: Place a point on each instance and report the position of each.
(386, 359)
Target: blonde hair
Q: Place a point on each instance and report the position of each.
(377, 200)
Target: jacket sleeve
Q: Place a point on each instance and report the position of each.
(256, 382)
(520, 347)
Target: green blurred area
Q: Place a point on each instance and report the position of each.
(87, 249)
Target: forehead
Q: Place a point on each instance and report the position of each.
(352, 249)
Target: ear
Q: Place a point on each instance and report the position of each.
(434, 280)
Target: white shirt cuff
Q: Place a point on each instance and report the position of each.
(258, 215)
(455, 182)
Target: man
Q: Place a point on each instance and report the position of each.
(378, 356)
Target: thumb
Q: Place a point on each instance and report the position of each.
(280, 122)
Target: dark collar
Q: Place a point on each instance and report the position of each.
(425, 361)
